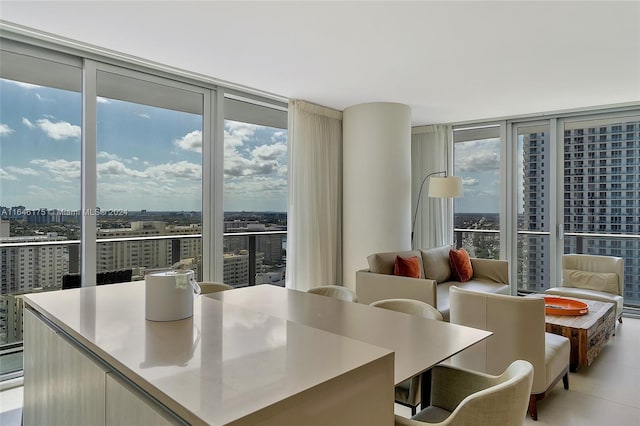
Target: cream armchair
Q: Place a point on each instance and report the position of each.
(592, 277)
(518, 326)
(467, 398)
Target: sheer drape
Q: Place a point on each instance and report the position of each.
(430, 147)
(314, 244)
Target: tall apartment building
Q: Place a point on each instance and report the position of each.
(23, 268)
(26, 266)
(137, 252)
(236, 268)
(533, 250)
(601, 196)
(271, 245)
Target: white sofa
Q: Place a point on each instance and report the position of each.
(378, 282)
(592, 277)
(518, 326)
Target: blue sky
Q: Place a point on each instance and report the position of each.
(148, 157)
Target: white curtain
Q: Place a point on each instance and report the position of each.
(430, 152)
(314, 242)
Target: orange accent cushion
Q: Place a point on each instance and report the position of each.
(461, 269)
(407, 267)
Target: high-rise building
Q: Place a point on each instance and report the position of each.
(601, 200)
(33, 262)
(533, 249)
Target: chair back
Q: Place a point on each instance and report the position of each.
(504, 404)
(213, 287)
(335, 291)
(410, 306)
(594, 263)
(518, 326)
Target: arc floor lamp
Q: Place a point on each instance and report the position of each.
(439, 187)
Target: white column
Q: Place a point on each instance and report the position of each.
(376, 183)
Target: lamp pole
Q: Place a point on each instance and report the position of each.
(415, 216)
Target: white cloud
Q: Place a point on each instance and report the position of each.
(28, 123)
(147, 116)
(263, 160)
(118, 169)
(27, 171)
(166, 173)
(270, 152)
(134, 158)
(279, 136)
(190, 142)
(480, 161)
(467, 181)
(61, 170)
(5, 130)
(59, 130)
(4, 175)
(102, 100)
(105, 155)
(172, 171)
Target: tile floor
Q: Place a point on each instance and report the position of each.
(607, 393)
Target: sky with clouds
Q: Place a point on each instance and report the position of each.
(478, 164)
(147, 157)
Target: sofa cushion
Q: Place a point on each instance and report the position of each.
(436, 265)
(407, 267)
(599, 281)
(461, 269)
(384, 263)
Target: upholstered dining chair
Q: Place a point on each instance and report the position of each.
(335, 291)
(213, 287)
(518, 326)
(462, 397)
(407, 393)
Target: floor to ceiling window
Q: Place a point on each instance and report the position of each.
(40, 129)
(569, 185)
(134, 155)
(255, 193)
(532, 201)
(477, 153)
(602, 192)
(149, 174)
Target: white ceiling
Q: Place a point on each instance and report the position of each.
(450, 61)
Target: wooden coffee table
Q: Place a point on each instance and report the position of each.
(587, 333)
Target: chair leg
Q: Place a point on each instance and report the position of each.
(620, 320)
(565, 381)
(533, 407)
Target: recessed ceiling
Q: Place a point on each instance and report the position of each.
(449, 61)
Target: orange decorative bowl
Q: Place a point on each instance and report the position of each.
(561, 306)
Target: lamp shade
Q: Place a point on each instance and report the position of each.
(445, 187)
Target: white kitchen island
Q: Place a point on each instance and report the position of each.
(92, 358)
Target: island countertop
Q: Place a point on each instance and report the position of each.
(224, 365)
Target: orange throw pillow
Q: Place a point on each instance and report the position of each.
(407, 267)
(461, 269)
